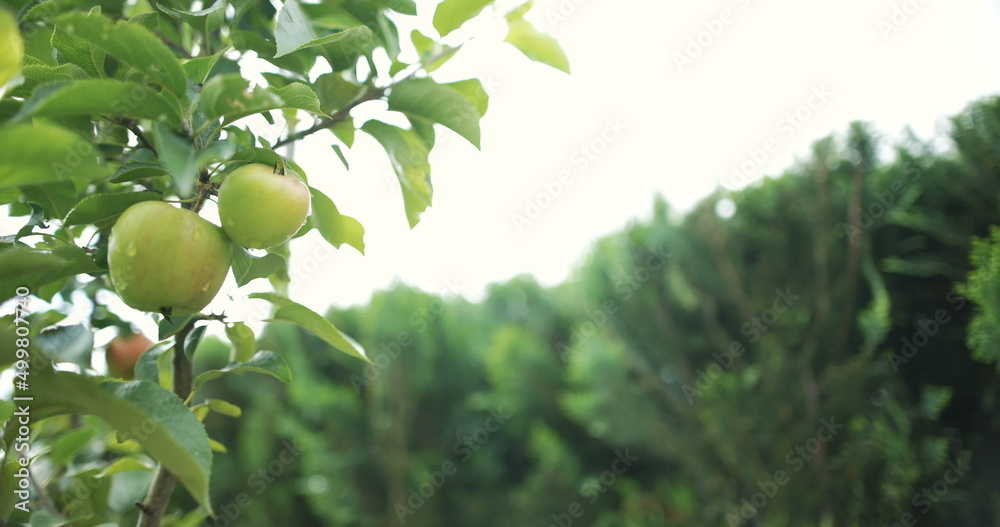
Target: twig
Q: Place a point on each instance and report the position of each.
(134, 128)
(155, 504)
(46, 500)
(372, 94)
(338, 117)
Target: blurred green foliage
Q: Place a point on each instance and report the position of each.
(812, 360)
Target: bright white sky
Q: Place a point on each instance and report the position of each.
(683, 130)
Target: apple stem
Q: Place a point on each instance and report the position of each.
(155, 504)
(204, 189)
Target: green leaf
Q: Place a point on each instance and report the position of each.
(44, 10)
(335, 227)
(96, 96)
(7, 410)
(217, 446)
(335, 92)
(344, 131)
(473, 91)
(266, 362)
(408, 156)
(230, 97)
(243, 340)
(340, 154)
(406, 7)
(247, 267)
(73, 343)
(294, 31)
(198, 68)
(225, 407)
(139, 410)
(424, 128)
(208, 19)
(440, 103)
(124, 464)
(537, 46)
(33, 268)
(56, 198)
(193, 339)
(183, 160)
(78, 51)
(422, 43)
(451, 14)
(37, 219)
(518, 12)
(103, 210)
(312, 322)
(10, 195)
(134, 170)
(70, 444)
(147, 368)
(39, 153)
(168, 328)
(150, 21)
(11, 48)
(132, 44)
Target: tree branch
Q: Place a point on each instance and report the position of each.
(162, 489)
(338, 117)
(134, 128)
(372, 94)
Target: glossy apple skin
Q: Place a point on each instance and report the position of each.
(161, 256)
(123, 354)
(260, 209)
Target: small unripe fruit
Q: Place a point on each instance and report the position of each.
(161, 257)
(123, 354)
(260, 209)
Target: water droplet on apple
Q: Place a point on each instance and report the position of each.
(196, 235)
(131, 250)
(205, 287)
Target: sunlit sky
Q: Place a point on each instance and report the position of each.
(658, 128)
(683, 130)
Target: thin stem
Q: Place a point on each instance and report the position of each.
(134, 128)
(338, 117)
(155, 504)
(46, 500)
(204, 190)
(372, 94)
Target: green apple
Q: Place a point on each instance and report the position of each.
(260, 209)
(123, 354)
(11, 48)
(163, 258)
